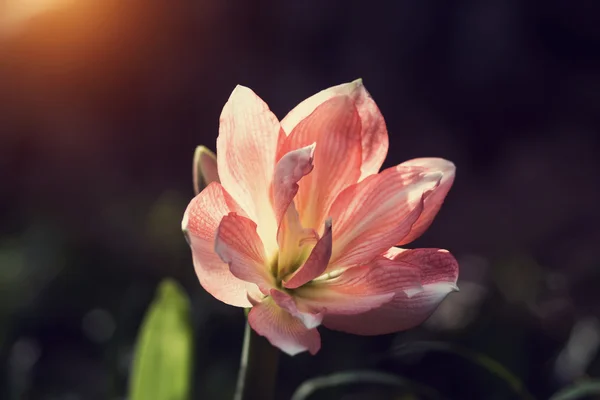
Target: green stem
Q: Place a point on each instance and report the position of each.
(258, 368)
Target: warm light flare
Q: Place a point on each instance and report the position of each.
(15, 13)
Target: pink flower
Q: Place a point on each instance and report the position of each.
(302, 227)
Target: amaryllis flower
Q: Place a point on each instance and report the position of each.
(299, 225)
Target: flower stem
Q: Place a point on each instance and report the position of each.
(258, 368)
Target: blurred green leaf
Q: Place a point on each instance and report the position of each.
(482, 360)
(362, 377)
(163, 354)
(578, 391)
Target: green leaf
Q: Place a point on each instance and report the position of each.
(163, 352)
(578, 391)
(361, 377)
(482, 360)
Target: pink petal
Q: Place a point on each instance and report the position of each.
(439, 272)
(374, 135)
(246, 149)
(378, 212)
(238, 244)
(360, 289)
(437, 265)
(204, 168)
(434, 201)
(335, 127)
(288, 171)
(200, 222)
(282, 329)
(316, 263)
(290, 233)
(285, 301)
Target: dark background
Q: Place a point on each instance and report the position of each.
(103, 102)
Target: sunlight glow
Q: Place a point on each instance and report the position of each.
(15, 13)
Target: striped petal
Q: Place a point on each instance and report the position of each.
(360, 289)
(200, 222)
(246, 150)
(439, 272)
(434, 201)
(282, 329)
(374, 136)
(335, 127)
(238, 245)
(288, 171)
(290, 233)
(378, 212)
(310, 319)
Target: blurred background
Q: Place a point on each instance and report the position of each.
(103, 102)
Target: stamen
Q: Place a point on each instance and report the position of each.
(330, 275)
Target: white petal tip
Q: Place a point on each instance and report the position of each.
(311, 323)
(413, 291)
(203, 149)
(241, 93)
(441, 288)
(310, 149)
(184, 222)
(434, 175)
(239, 87)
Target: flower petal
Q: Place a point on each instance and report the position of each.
(285, 301)
(246, 149)
(374, 136)
(288, 171)
(282, 329)
(290, 232)
(434, 201)
(335, 127)
(316, 263)
(378, 212)
(238, 244)
(200, 222)
(360, 289)
(204, 168)
(436, 265)
(439, 272)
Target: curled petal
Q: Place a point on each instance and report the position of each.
(316, 263)
(378, 212)
(200, 222)
(360, 289)
(335, 127)
(309, 319)
(204, 168)
(374, 136)
(282, 329)
(439, 272)
(246, 149)
(238, 245)
(434, 201)
(288, 171)
(436, 265)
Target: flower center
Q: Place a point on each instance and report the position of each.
(287, 261)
